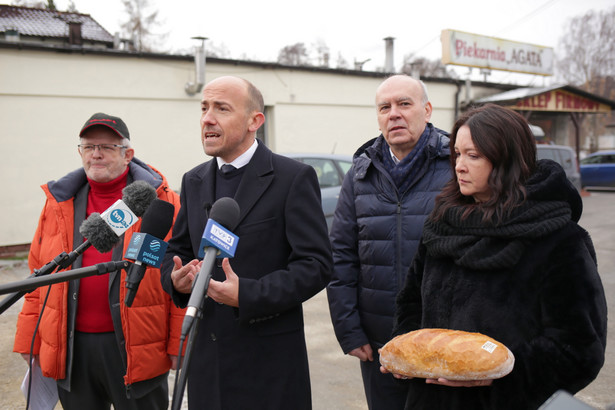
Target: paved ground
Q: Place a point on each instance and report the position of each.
(336, 383)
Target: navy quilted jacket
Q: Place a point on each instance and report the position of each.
(375, 235)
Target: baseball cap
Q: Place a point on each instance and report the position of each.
(115, 123)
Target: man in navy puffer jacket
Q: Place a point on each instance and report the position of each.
(385, 198)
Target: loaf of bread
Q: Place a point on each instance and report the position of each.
(451, 354)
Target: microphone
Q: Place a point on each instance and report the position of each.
(98, 234)
(138, 196)
(98, 231)
(217, 239)
(145, 248)
(103, 231)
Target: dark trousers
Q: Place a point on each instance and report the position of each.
(382, 391)
(98, 378)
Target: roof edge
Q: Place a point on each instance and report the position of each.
(250, 63)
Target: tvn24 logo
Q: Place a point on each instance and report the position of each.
(119, 217)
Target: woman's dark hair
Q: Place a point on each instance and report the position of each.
(503, 137)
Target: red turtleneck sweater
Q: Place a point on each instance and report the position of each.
(93, 312)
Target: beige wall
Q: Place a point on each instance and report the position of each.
(46, 96)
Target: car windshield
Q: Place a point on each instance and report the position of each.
(599, 159)
(325, 170)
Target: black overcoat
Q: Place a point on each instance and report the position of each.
(255, 356)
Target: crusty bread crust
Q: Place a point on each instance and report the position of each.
(451, 354)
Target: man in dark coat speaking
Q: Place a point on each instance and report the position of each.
(250, 348)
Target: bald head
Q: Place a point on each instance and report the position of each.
(404, 81)
(253, 97)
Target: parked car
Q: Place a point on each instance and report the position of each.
(330, 169)
(598, 169)
(566, 157)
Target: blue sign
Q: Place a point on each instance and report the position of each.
(146, 248)
(217, 236)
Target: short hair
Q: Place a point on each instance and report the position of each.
(504, 137)
(425, 99)
(255, 98)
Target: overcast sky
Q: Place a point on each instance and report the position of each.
(356, 29)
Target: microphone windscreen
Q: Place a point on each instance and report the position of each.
(100, 235)
(158, 218)
(138, 196)
(225, 211)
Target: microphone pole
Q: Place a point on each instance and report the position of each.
(62, 261)
(32, 282)
(190, 326)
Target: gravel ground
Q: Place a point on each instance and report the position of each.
(336, 380)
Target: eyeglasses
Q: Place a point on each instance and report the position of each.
(104, 148)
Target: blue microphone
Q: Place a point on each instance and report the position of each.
(145, 247)
(219, 237)
(217, 241)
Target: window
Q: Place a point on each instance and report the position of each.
(566, 158)
(608, 159)
(262, 133)
(592, 160)
(345, 166)
(325, 170)
(547, 153)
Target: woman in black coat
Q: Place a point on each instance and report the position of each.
(502, 254)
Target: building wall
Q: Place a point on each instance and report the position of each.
(46, 97)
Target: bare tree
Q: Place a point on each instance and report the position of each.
(141, 24)
(47, 5)
(31, 3)
(424, 67)
(218, 50)
(587, 60)
(341, 63)
(587, 48)
(322, 52)
(295, 54)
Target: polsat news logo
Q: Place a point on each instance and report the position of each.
(138, 238)
(155, 245)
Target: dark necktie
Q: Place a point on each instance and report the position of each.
(227, 168)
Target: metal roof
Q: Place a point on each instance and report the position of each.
(46, 23)
(518, 94)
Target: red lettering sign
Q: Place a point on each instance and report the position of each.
(559, 100)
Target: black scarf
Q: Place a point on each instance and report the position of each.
(475, 244)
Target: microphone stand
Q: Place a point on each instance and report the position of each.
(62, 261)
(192, 328)
(181, 374)
(32, 283)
